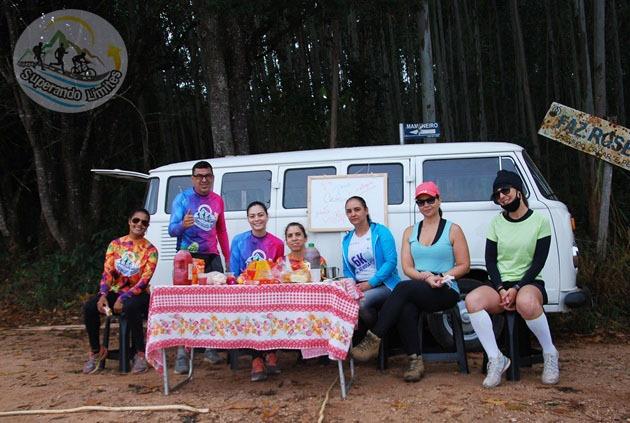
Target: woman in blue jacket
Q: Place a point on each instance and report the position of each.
(369, 257)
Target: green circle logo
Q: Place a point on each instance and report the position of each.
(70, 61)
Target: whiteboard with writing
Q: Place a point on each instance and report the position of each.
(327, 197)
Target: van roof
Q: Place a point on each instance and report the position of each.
(335, 154)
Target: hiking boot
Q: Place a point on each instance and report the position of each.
(181, 362)
(139, 364)
(95, 362)
(367, 349)
(415, 369)
(551, 372)
(212, 356)
(258, 370)
(496, 367)
(271, 362)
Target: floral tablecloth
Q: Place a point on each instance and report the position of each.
(316, 318)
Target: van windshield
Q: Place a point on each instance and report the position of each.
(541, 183)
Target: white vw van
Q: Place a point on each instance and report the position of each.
(464, 173)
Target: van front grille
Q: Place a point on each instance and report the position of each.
(168, 244)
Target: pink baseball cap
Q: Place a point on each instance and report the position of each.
(428, 188)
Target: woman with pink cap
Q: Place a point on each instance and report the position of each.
(434, 254)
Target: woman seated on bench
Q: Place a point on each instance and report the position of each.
(124, 288)
(434, 253)
(517, 246)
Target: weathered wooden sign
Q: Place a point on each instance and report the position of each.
(587, 133)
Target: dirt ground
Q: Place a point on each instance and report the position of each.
(41, 369)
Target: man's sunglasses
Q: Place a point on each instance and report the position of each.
(504, 191)
(137, 220)
(429, 201)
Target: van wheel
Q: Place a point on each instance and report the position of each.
(441, 327)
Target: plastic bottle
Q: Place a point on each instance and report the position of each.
(181, 263)
(312, 257)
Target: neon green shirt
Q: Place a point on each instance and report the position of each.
(516, 243)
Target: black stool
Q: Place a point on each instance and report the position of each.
(125, 350)
(516, 342)
(459, 355)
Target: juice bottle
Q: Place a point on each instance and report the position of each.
(311, 255)
(181, 263)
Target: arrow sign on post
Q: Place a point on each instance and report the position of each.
(588, 133)
(418, 131)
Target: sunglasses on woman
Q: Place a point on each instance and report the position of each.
(137, 220)
(429, 201)
(504, 191)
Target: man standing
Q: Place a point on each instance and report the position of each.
(198, 222)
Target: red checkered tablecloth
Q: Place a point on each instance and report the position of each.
(317, 318)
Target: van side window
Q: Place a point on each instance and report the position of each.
(296, 185)
(151, 195)
(394, 172)
(238, 189)
(462, 179)
(542, 184)
(174, 186)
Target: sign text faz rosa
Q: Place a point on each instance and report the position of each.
(588, 133)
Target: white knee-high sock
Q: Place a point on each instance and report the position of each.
(540, 328)
(482, 324)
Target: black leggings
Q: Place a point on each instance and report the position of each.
(403, 308)
(134, 308)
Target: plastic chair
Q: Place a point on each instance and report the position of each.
(459, 355)
(125, 350)
(516, 342)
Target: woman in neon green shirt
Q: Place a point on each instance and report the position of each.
(517, 246)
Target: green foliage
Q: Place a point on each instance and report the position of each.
(56, 280)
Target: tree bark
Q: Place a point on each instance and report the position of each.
(426, 65)
(523, 76)
(239, 86)
(599, 55)
(215, 73)
(465, 103)
(483, 125)
(334, 78)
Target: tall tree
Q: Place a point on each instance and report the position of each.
(216, 77)
(426, 65)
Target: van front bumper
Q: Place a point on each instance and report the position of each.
(578, 299)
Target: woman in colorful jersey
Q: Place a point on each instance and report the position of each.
(124, 288)
(434, 254)
(295, 237)
(369, 257)
(517, 246)
(253, 245)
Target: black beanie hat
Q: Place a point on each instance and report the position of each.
(505, 178)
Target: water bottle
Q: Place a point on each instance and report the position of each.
(181, 263)
(312, 257)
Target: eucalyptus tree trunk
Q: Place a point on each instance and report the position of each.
(442, 72)
(394, 73)
(599, 55)
(240, 75)
(616, 56)
(587, 163)
(465, 103)
(334, 78)
(523, 77)
(34, 122)
(483, 125)
(217, 79)
(426, 65)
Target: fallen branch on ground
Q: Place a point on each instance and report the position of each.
(321, 409)
(104, 408)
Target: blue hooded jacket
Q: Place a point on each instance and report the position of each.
(385, 257)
